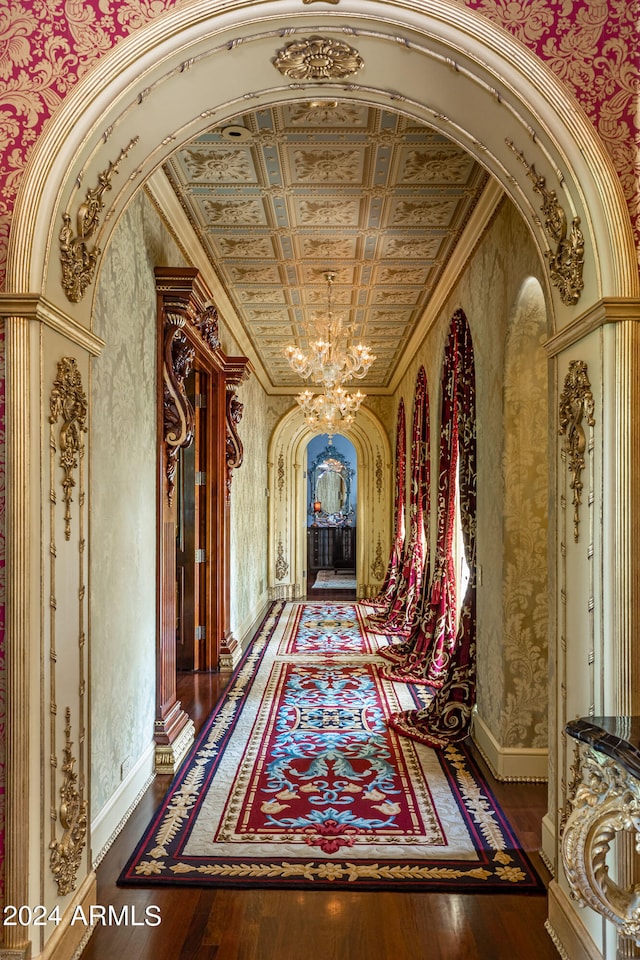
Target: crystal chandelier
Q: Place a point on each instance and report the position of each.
(331, 362)
(330, 412)
(331, 359)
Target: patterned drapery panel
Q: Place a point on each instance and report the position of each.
(384, 598)
(448, 658)
(398, 616)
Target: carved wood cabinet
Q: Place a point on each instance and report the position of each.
(331, 548)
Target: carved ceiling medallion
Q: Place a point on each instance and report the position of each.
(318, 58)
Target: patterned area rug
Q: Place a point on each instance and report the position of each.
(297, 781)
(328, 580)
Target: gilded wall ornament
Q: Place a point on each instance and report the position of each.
(68, 402)
(378, 568)
(606, 803)
(281, 473)
(576, 403)
(282, 567)
(318, 58)
(567, 260)
(66, 853)
(78, 260)
(379, 474)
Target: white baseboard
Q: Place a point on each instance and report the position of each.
(69, 939)
(244, 632)
(108, 823)
(510, 763)
(572, 939)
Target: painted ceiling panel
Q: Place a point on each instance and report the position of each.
(280, 196)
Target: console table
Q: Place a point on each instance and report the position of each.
(605, 803)
(331, 547)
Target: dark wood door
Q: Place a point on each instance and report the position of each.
(191, 536)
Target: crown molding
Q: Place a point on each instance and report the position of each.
(33, 307)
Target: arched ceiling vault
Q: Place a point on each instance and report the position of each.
(384, 170)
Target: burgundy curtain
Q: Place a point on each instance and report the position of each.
(390, 581)
(398, 616)
(451, 665)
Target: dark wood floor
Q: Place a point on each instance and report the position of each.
(292, 925)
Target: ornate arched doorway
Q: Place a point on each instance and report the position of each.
(288, 504)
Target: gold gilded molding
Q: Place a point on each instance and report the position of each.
(318, 58)
(606, 804)
(68, 402)
(576, 402)
(66, 853)
(567, 261)
(78, 260)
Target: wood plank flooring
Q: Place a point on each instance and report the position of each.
(230, 924)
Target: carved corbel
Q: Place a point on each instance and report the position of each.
(576, 403)
(234, 448)
(178, 415)
(606, 803)
(206, 323)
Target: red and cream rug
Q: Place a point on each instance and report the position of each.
(297, 781)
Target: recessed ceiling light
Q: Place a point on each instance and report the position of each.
(236, 132)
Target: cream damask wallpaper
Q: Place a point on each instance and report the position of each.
(123, 499)
(526, 514)
(488, 291)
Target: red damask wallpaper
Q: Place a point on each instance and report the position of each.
(46, 45)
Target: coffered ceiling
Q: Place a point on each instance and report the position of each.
(280, 196)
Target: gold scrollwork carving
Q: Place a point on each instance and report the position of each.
(379, 474)
(68, 402)
(318, 58)
(281, 473)
(378, 567)
(576, 402)
(282, 567)
(606, 803)
(77, 259)
(66, 853)
(566, 262)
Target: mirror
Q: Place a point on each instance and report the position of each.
(330, 484)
